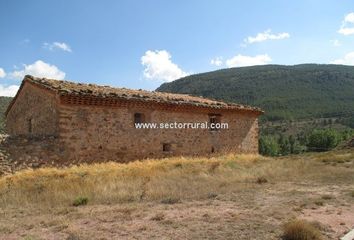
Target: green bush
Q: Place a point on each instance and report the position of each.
(295, 146)
(284, 145)
(347, 134)
(80, 201)
(268, 146)
(323, 140)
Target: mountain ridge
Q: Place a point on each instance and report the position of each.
(283, 91)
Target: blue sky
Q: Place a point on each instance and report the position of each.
(141, 44)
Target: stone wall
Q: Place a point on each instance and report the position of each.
(21, 152)
(96, 134)
(34, 113)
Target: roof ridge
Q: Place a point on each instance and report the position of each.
(70, 88)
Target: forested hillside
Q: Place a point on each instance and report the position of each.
(284, 92)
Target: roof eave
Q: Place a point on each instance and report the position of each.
(30, 79)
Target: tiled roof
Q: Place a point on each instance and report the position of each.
(67, 88)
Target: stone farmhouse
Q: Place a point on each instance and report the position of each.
(89, 123)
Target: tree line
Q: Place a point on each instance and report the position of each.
(318, 140)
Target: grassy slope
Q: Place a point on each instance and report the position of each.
(284, 92)
(182, 178)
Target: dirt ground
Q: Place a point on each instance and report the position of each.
(254, 211)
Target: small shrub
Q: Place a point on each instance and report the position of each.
(327, 197)
(301, 230)
(352, 193)
(178, 165)
(261, 180)
(326, 161)
(214, 166)
(212, 195)
(167, 222)
(143, 228)
(170, 200)
(158, 217)
(80, 201)
(319, 202)
(231, 164)
(72, 236)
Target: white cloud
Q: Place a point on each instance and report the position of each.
(242, 61)
(346, 31)
(216, 61)
(347, 27)
(2, 73)
(9, 91)
(25, 41)
(158, 66)
(336, 43)
(57, 45)
(266, 35)
(349, 18)
(39, 69)
(348, 59)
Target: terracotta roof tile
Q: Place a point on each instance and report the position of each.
(67, 88)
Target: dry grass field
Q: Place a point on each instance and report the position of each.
(222, 197)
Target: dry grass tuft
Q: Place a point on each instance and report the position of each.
(158, 217)
(301, 230)
(261, 180)
(319, 202)
(327, 197)
(80, 201)
(170, 200)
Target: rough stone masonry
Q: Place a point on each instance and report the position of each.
(63, 122)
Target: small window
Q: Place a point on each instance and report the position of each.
(166, 147)
(30, 125)
(139, 118)
(212, 149)
(214, 119)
